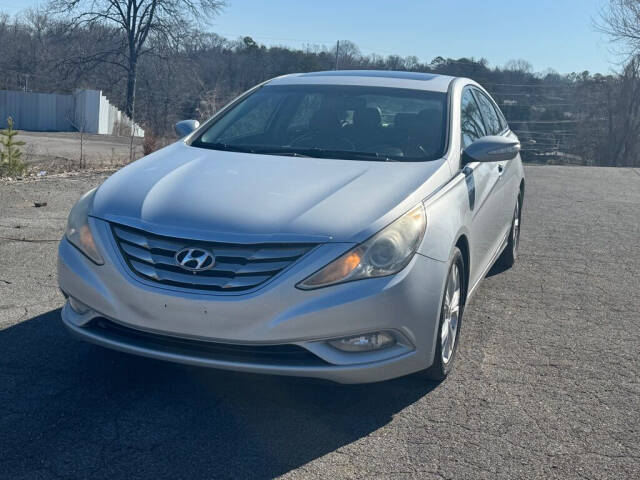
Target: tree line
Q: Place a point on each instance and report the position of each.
(581, 117)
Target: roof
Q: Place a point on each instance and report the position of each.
(371, 78)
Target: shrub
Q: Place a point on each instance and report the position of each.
(11, 163)
(149, 144)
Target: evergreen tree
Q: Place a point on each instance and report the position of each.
(10, 154)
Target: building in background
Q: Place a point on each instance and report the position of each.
(87, 111)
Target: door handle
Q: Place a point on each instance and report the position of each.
(500, 170)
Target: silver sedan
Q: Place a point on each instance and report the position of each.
(328, 224)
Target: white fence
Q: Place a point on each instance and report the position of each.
(86, 110)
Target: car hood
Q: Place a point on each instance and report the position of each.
(191, 192)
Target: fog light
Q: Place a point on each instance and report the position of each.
(78, 307)
(365, 342)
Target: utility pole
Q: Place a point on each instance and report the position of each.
(337, 53)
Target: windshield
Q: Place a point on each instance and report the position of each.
(334, 121)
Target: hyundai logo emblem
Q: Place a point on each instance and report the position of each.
(195, 259)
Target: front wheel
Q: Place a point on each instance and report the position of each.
(508, 257)
(450, 320)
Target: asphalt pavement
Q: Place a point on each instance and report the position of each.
(546, 383)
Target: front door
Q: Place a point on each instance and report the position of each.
(484, 178)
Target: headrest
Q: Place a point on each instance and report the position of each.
(404, 120)
(367, 117)
(324, 119)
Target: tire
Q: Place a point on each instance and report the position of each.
(454, 292)
(510, 254)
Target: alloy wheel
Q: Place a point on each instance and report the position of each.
(451, 314)
(516, 229)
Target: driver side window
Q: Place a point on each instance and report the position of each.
(471, 124)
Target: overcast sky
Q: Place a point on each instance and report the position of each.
(556, 34)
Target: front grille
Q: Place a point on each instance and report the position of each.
(285, 354)
(237, 267)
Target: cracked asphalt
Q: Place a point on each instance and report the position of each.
(546, 383)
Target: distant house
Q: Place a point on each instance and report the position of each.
(84, 110)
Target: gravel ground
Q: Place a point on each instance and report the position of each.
(545, 386)
(60, 151)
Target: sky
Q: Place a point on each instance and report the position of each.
(557, 34)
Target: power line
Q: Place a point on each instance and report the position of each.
(12, 7)
(258, 37)
(531, 85)
(515, 94)
(542, 137)
(592, 128)
(548, 140)
(24, 73)
(552, 104)
(308, 42)
(558, 121)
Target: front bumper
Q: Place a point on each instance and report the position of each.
(277, 314)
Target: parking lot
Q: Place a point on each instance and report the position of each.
(55, 152)
(546, 383)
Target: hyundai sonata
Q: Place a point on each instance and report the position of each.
(327, 224)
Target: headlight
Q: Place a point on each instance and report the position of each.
(386, 253)
(78, 231)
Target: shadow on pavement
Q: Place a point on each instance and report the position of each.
(74, 410)
(496, 269)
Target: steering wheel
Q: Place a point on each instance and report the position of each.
(341, 143)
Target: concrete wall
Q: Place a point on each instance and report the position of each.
(86, 110)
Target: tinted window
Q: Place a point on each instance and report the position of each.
(334, 121)
(491, 120)
(471, 121)
(251, 118)
(306, 108)
(503, 121)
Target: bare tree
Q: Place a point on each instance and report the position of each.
(138, 20)
(519, 65)
(620, 20)
(346, 54)
(624, 138)
(79, 123)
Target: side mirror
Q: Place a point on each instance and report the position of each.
(185, 127)
(492, 148)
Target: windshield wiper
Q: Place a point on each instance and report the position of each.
(254, 149)
(302, 152)
(288, 152)
(229, 148)
(345, 154)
